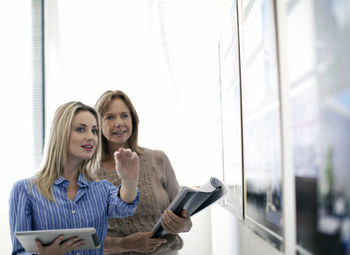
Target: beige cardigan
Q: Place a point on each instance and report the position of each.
(158, 186)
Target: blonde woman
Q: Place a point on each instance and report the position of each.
(64, 193)
(157, 183)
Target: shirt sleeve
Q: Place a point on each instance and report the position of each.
(20, 214)
(117, 208)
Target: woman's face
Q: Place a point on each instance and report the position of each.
(83, 136)
(117, 123)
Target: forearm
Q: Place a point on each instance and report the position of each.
(114, 245)
(128, 190)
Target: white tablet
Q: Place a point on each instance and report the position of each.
(27, 238)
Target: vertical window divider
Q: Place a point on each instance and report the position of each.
(38, 81)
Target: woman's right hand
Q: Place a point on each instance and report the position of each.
(57, 247)
(127, 166)
(142, 242)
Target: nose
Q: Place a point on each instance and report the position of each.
(89, 135)
(119, 122)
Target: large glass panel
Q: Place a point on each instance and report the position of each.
(231, 109)
(261, 120)
(319, 62)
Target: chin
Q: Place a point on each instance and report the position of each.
(87, 157)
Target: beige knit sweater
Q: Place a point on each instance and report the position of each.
(158, 186)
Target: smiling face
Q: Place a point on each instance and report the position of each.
(117, 124)
(83, 136)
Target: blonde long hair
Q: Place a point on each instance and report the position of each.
(57, 147)
(101, 106)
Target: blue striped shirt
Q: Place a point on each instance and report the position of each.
(94, 203)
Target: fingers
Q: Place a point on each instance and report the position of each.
(127, 164)
(185, 214)
(173, 217)
(59, 240)
(148, 234)
(155, 241)
(153, 244)
(133, 156)
(171, 222)
(123, 153)
(76, 244)
(143, 242)
(72, 243)
(39, 246)
(59, 246)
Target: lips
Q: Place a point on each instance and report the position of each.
(120, 132)
(87, 147)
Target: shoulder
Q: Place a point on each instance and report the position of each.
(21, 187)
(151, 153)
(157, 159)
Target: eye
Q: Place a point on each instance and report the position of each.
(80, 129)
(125, 115)
(108, 117)
(94, 131)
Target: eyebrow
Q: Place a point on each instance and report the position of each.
(82, 124)
(110, 113)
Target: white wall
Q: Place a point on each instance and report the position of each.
(198, 240)
(15, 104)
(231, 237)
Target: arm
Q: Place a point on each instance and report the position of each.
(139, 242)
(171, 222)
(114, 245)
(122, 200)
(127, 167)
(19, 214)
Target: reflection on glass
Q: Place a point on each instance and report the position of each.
(261, 121)
(320, 96)
(231, 113)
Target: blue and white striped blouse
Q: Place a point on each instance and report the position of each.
(94, 202)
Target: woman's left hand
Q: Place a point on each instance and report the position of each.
(174, 224)
(58, 247)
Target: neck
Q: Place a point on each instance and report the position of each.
(113, 147)
(71, 170)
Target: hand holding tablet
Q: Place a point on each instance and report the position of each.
(27, 238)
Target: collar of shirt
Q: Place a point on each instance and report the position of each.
(62, 184)
(82, 181)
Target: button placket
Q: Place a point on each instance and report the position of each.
(74, 208)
